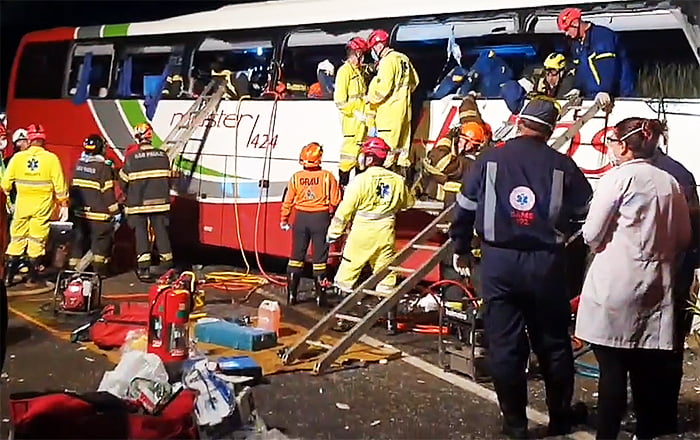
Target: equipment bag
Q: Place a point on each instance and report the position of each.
(110, 330)
(99, 415)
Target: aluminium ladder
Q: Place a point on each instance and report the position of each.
(206, 104)
(579, 122)
(388, 300)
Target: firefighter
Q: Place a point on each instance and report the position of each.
(226, 77)
(371, 200)
(523, 211)
(552, 81)
(37, 175)
(314, 194)
(450, 159)
(94, 205)
(20, 141)
(144, 179)
(389, 98)
(602, 67)
(349, 95)
(3, 145)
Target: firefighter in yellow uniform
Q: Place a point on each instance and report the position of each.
(349, 96)
(38, 177)
(371, 201)
(389, 98)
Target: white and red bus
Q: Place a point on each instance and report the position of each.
(77, 81)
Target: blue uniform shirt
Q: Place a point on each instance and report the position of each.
(602, 64)
(523, 196)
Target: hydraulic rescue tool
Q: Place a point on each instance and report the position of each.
(77, 292)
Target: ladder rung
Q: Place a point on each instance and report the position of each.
(401, 269)
(375, 293)
(426, 247)
(348, 317)
(319, 344)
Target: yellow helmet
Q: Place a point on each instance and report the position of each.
(555, 61)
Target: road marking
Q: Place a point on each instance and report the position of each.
(462, 382)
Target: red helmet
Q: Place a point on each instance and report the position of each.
(3, 130)
(35, 131)
(567, 17)
(376, 147)
(378, 36)
(143, 132)
(358, 43)
(311, 155)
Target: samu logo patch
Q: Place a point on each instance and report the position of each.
(33, 164)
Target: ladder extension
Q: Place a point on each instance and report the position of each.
(576, 126)
(368, 289)
(206, 104)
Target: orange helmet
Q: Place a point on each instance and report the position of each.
(376, 147)
(358, 43)
(35, 131)
(567, 17)
(143, 132)
(378, 36)
(472, 132)
(311, 155)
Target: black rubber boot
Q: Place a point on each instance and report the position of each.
(320, 285)
(144, 274)
(33, 274)
(11, 269)
(293, 280)
(100, 269)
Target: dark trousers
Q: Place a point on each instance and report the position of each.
(651, 373)
(93, 235)
(4, 323)
(309, 227)
(160, 222)
(527, 305)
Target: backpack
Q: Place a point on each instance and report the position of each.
(116, 320)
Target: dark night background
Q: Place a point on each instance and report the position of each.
(17, 17)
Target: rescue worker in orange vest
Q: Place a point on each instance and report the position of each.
(94, 205)
(349, 97)
(38, 177)
(371, 201)
(449, 160)
(389, 98)
(313, 194)
(145, 180)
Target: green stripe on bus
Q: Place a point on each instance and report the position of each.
(135, 115)
(188, 165)
(115, 30)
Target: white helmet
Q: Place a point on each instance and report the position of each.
(19, 135)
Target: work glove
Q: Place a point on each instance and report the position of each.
(332, 238)
(285, 226)
(63, 214)
(573, 93)
(603, 99)
(372, 132)
(359, 116)
(117, 218)
(461, 264)
(474, 93)
(10, 208)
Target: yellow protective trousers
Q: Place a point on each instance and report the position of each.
(369, 241)
(29, 233)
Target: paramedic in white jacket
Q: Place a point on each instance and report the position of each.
(638, 227)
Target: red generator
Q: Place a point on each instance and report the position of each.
(168, 323)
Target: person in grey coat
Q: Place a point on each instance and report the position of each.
(638, 226)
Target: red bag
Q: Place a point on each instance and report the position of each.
(110, 330)
(99, 416)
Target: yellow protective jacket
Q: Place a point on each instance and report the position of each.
(389, 98)
(38, 177)
(349, 94)
(376, 194)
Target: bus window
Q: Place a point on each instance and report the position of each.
(308, 50)
(142, 69)
(98, 73)
(426, 44)
(242, 64)
(41, 69)
(661, 55)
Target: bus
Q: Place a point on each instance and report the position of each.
(99, 79)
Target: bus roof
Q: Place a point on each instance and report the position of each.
(285, 13)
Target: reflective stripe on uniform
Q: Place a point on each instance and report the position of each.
(147, 209)
(490, 202)
(465, 203)
(375, 215)
(108, 185)
(454, 187)
(151, 174)
(83, 183)
(143, 258)
(168, 256)
(92, 215)
(295, 263)
(556, 195)
(468, 113)
(319, 266)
